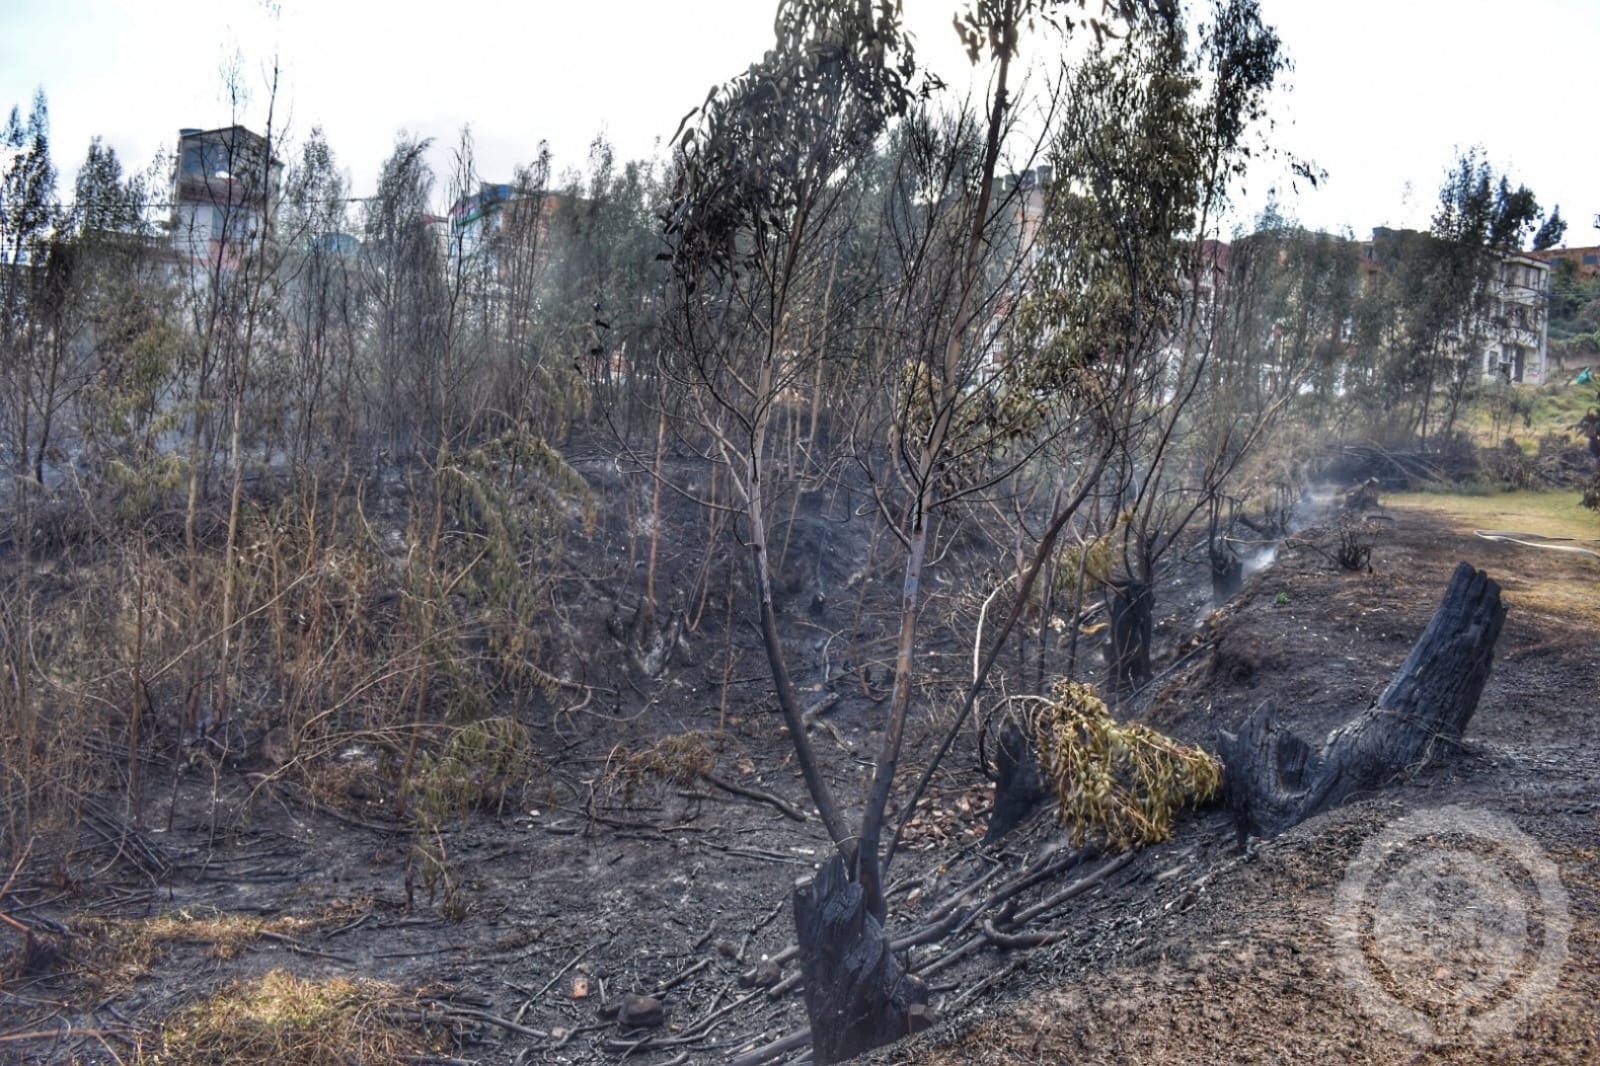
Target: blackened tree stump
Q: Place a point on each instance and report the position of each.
(1018, 788)
(1276, 781)
(1227, 573)
(858, 996)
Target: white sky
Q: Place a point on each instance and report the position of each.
(1384, 94)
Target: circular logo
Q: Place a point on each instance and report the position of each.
(1451, 925)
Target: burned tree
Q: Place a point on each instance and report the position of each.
(1152, 136)
(943, 404)
(763, 191)
(1276, 781)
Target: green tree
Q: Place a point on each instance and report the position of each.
(103, 201)
(757, 195)
(1153, 134)
(31, 287)
(1551, 231)
(1480, 219)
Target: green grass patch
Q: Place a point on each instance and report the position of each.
(1550, 513)
(1524, 414)
(1557, 406)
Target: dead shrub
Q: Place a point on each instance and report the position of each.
(1510, 465)
(1354, 552)
(680, 759)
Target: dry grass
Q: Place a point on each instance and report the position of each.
(679, 759)
(126, 949)
(291, 1021)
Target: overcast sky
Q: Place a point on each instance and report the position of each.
(1383, 95)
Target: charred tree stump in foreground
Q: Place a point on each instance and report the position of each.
(858, 996)
(1274, 779)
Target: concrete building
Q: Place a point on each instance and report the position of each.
(480, 221)
(1516, 335)
(1511, 338)
(224, 189)
(1586, 260)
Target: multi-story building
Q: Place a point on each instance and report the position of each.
(1510, 338)
(1516, 333)
(1585, 260)
(224, 190)
(479, 222)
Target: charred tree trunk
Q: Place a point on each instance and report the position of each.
(858, 995)
(1276, 781)
(1131, 603)
(1227, 573)
(1018, 788)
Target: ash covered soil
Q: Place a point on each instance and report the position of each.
(602, 879)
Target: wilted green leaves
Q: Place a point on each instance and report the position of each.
(1118, 783)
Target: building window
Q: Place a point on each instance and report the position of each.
(206, 159)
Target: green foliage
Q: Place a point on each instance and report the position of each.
(103, 203)
(1151, 135)
(511, 500)
(1551, 232)
(483, 764)
(27, 184)
(1117, 783)
(1480, 210)
(991, 27)
(768, 143)
(1422, 324)
(1575, 309)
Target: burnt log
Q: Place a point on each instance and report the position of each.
(858, 995)
(1275, 780)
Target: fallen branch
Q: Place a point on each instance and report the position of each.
(304, 949)
(1077, 888)
(782, 1046)
(1035, 939)
(784, 807)
(473, 1014)
(682, 976)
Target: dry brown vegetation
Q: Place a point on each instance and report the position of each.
(281, 1018)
